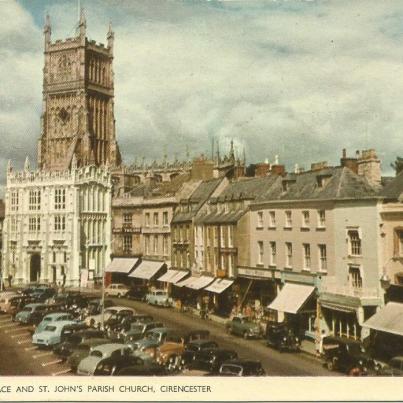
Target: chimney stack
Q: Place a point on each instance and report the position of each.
(370, 166)
(351, 163)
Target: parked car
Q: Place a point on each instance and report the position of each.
(94, 306)
(30, 313)
(169, 353)
(90, 364)
(211, 359)
(82, 350)
(95, 320)
(70, 342)
(51, 318)
(198, 334)
(41, 294)
(116, 319)
(137, 330)
(5, 300)
(128, 320)
(16, 303)
(159, 298)
(51, 334)
(346, 355)
(193, 347)
(145, 366)
(116, 290)
(393, 368)
(241, 368)
(281, 337)
(243, 326)
(137, 292)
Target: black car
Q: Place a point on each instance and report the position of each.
(241, 368)
(139, 370)
(117, 319)
(135, 318)
(198, 334)
(137, 292)
(115, 363)
(281, 337)
(194, 347)
(211, 359)
(70, 342)
(348, 356)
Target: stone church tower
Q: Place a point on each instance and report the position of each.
(78, 105)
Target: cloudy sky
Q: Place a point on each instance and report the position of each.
(301, 79)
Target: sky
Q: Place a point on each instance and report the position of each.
(297, 79)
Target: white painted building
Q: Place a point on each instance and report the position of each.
(55, 223)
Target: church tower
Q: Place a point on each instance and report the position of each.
(78, 102)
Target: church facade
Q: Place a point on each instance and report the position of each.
(57, 226)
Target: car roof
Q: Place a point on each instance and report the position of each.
(34, 305)
(108, 347)
(201, 341)
(62, 323)
(55, 315)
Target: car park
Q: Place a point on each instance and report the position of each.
(89, 365)
(159, 298)
(51, 334)
(82, 350)
(346, 355)
(281, 337)
(137, 330)
(96, 320)
(241, 368)
(116, 290)
(243, 326)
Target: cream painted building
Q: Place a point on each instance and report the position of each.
(55, 223)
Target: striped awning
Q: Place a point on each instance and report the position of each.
(147, 269)
(121, 265)
(219, 285)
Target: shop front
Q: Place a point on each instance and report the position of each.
(221, 295)
(171, 277)
(118, 269)
(147, 273)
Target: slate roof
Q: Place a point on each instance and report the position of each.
(394, 189)
(196, 200)
(340, 183)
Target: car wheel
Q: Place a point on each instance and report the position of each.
(245, 335)
(331, 364)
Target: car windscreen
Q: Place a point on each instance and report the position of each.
(96, 353)
(231, 369)
(50, 328)
(356, 349)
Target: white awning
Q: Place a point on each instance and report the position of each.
(291, 297)
(168, 276)
(179, 276)
(121, 265)
(219, 285)
(146, 269)
(201, 282)
(186, 282)
(388, 319)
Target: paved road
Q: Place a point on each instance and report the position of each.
(19, 357)
(274, 362)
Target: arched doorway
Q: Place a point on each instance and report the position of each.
(35, 268)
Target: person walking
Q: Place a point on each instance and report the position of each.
(9, 278)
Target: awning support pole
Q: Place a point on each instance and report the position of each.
(246, 292)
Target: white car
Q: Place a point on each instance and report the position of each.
(95, 320)
(116, 290)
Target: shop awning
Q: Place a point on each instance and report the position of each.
(201, 282)
(121, 265)
(147, 269)
(291, 297)
(388, 319)
(186, 281)
(173, 276)
(219, 285)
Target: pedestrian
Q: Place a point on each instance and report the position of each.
(63, 279)
(9, 278)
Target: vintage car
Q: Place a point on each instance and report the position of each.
(52, 318)
(82, 350)
(281, 337)
(346, 355)
(117, 319)
(70, 342)
(137, 330)
(116, 290)
(30, 313)
(96, 320)
(393, 368)
(128, 320)
(243, 326)
(17, 303)
(137, 292)
(91, 364)
(210, 360)
(6, 299)
(193, 347)
(94, 306)
(197, 334)
(169, 353)
(51, 334)
(159, 298)
(139, 370)
(241, 368)
(41, 294)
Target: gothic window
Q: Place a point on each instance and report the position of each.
(34, 199)
(34, 224)
(14, 200)
(60, 223)
(60, 199)
(63, 115)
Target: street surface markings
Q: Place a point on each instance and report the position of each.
(4, 320)
(46, 364)
(25, 341)
(42, 355)
(19, 334)
(65, 371)
(30, 348)
(10, 325)
(19, 329)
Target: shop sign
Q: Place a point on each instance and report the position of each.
(255, 273)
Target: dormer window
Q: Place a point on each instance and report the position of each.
(285, 186)
(322, 180)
